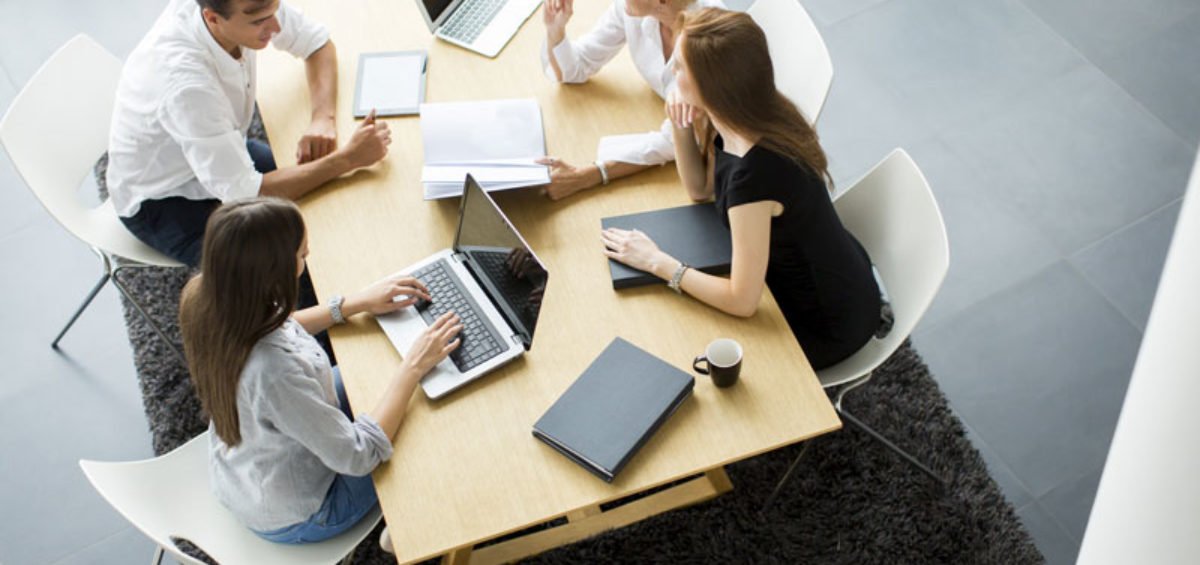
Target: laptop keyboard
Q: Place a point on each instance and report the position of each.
(480, 341)
(468, 21)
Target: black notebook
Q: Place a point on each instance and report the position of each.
(618, 402)
(693, 234)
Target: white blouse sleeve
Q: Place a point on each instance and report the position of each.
(650, 148)
(580, 59)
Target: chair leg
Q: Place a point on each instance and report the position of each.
(784, 479)
(895, 448)
(137, 306)
(86, 302)
(158, 555)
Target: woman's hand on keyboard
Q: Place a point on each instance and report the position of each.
(434, 344)
(387, 295)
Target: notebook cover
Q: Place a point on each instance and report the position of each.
(693, 234)
(618, 402)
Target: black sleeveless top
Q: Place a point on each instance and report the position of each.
(819, 274)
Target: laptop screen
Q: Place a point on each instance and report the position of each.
(435, 12)
(500, 260)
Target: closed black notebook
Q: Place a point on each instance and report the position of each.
(618, 402)
(693, 234)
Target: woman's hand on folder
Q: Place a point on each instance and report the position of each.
(636, 249)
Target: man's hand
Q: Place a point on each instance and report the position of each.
(566, 179)
(320, 140)
(369, 144)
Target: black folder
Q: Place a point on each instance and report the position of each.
(693, 234)
(618, 402)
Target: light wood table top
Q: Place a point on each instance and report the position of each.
(466, 468)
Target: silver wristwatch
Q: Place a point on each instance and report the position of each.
(678, 277)
(335, 309)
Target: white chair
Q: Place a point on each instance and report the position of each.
(55, 130)
(803, 69)
(169, 498)
(892, 212)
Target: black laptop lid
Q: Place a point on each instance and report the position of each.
(436, 11)
(498, 257)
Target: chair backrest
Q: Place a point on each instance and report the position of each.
(892, 212)
(56, 129)
(803, 69)
(169, 496)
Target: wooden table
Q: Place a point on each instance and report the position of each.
(466, 468)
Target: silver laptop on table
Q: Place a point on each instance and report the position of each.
(483, 26)
(491, 279)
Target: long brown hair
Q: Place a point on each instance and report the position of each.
(247, 287)
(726, 54)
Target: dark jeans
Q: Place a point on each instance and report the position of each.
(175, 226)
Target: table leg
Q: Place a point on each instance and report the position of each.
(591, 520)
(460, 556)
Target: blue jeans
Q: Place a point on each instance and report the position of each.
(175, 225)
(349, 499)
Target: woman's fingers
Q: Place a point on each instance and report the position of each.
(442, 321)
(399, 304)
(415, 283)
(413, 291)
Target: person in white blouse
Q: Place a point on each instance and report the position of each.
(178, 145)
(649, 28)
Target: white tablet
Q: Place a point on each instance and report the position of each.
(392, 83)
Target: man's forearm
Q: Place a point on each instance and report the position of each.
(321, 69)
(294, 182)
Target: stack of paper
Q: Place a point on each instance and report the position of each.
(496, 141)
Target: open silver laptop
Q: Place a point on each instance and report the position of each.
(483, 26)
(491, 279)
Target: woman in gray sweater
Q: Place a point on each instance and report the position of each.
(284, 458)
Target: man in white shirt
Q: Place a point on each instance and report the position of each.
(178, 146)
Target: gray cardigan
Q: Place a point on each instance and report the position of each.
(295, 440)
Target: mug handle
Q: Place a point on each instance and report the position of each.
(696, 365)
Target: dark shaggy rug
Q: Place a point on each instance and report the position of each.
(850, 500)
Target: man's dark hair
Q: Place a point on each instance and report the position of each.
(224, 7)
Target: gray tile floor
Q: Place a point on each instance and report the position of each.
(1057, 135)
